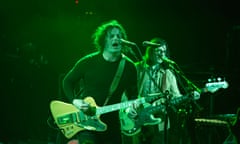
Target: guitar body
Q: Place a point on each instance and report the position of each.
(71, 120)
(127, 123)
(130, 127)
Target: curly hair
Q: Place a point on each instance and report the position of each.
(101, 32)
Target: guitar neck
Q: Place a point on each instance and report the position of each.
(178, 100)
(210, 87)
(115, 107)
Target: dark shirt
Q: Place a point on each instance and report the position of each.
(97, 75)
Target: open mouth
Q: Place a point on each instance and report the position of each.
(115, 44)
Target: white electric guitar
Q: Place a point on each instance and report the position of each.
(71, 120)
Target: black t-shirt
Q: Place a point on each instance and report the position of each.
(97, 75)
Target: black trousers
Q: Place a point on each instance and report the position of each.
(84, 137)
(90, 137)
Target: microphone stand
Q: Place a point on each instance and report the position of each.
(165, 131)
(177, 70)
(189, 83)
(129, 49)
(139, 51)
(180, 73)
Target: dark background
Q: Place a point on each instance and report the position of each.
(40, 40)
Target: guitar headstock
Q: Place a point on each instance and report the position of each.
(216, 84)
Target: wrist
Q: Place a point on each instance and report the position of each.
(127, 110)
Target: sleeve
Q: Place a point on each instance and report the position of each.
(173, 87)
(132, 90)
(70, 80)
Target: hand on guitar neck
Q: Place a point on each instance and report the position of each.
(132, 110)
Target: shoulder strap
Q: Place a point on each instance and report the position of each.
(116, 79)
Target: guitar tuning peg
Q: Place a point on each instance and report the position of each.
(219, 79)
(209, 80)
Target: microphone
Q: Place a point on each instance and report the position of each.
(127, 42)
(167, 60)
(148, 43)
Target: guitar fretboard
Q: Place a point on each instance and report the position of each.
(114, 107)
(178, 100)
(123, 105)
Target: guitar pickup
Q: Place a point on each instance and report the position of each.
(68, 118)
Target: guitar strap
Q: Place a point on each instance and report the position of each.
(152, 79)
(116, 79)
(164, 82)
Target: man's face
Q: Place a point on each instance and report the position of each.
(159, 53)
(112, 41)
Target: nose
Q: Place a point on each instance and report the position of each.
(115, 37)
